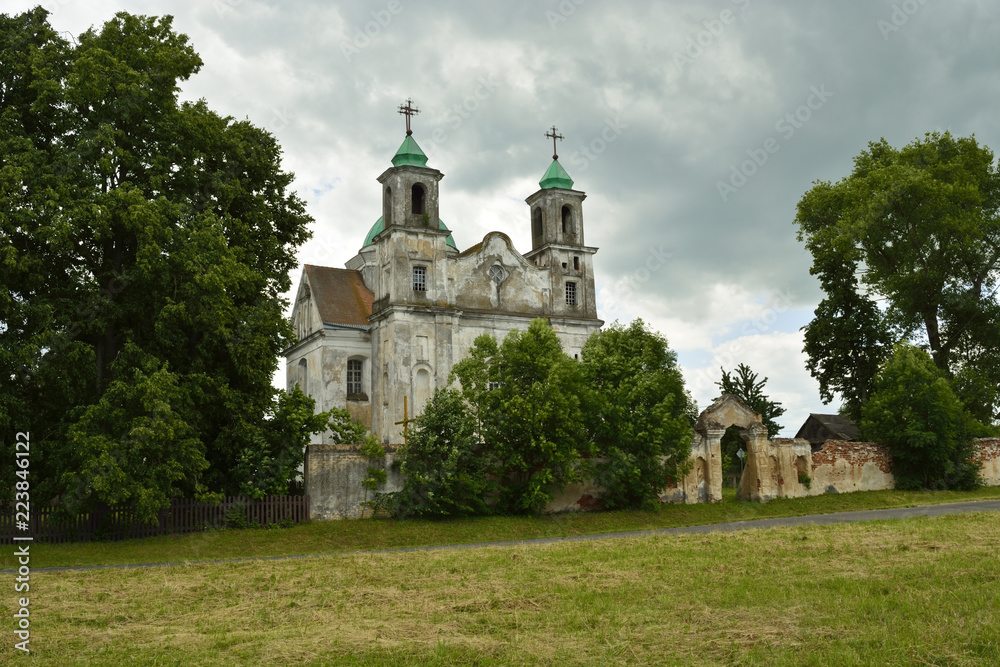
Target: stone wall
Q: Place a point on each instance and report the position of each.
(842, 467)
(333, 475)
(989, 457)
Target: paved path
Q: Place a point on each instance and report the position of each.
(838, 517)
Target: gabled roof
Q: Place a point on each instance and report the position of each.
(833, 427)
(340, 295)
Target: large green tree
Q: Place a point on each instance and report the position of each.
(144, 243)
(915, 413)
(638, 413)
(921, 226)
(525, 397)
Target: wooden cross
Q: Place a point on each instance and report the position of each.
(406, 423)
(408, 110)
(552, 133)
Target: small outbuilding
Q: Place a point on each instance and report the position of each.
(817, 429)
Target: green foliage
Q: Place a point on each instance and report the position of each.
(923, 223)
(446, 467)
(637, 413)
(744, 384)
(915, 413)
(145, 246)
(524, 395)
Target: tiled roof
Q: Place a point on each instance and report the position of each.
(340, 295)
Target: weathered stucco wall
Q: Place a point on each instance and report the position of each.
(842, 467)
(333, 475)
(989, 457)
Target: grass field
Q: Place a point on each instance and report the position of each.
(904, 592)
(340, 536)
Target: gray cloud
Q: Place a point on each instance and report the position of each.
(693, 89)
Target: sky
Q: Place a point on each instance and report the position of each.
(694, 128)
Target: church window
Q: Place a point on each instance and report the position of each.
(567, 220)
(570, 294)
(303, 379)
(420, 279)
(536, 222)
(387, 207)
(576, 263)
(496, 273)
(490, 386)
(417, 197)
(354, 384)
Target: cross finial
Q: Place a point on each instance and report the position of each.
(552, 133)
(408, 110)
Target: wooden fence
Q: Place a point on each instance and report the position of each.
(183, 516)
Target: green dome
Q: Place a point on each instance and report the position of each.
(556, 177)
(379, 226)
(409, 153)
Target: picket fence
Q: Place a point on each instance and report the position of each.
(183, 516)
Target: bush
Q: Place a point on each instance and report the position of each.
(446, 467)
(916, 414)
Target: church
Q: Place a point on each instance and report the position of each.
(380, 335)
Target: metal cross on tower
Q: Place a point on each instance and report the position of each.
(552, 133)
(408, 110)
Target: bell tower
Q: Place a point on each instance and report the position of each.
(557, 240)
(410, 187)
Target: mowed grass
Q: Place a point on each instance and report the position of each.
(919, 591)
(359, 535)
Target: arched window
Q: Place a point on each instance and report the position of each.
(536, 222)
(303, 379)
(387, 207)
(417, 197)
(567, 220)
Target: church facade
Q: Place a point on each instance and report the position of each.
(380, 335)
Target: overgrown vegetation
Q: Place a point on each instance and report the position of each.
(915, 413)
(529, 419)
(638, 414)
(145, 245)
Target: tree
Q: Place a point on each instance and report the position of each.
(144, 244)
(922, 225)
(446, 466)
(524, 395)
(914, 412)
(637, 413)
(744, 384)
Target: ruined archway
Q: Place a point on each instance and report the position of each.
(705, 483)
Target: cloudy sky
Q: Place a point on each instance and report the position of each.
(694, 128)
